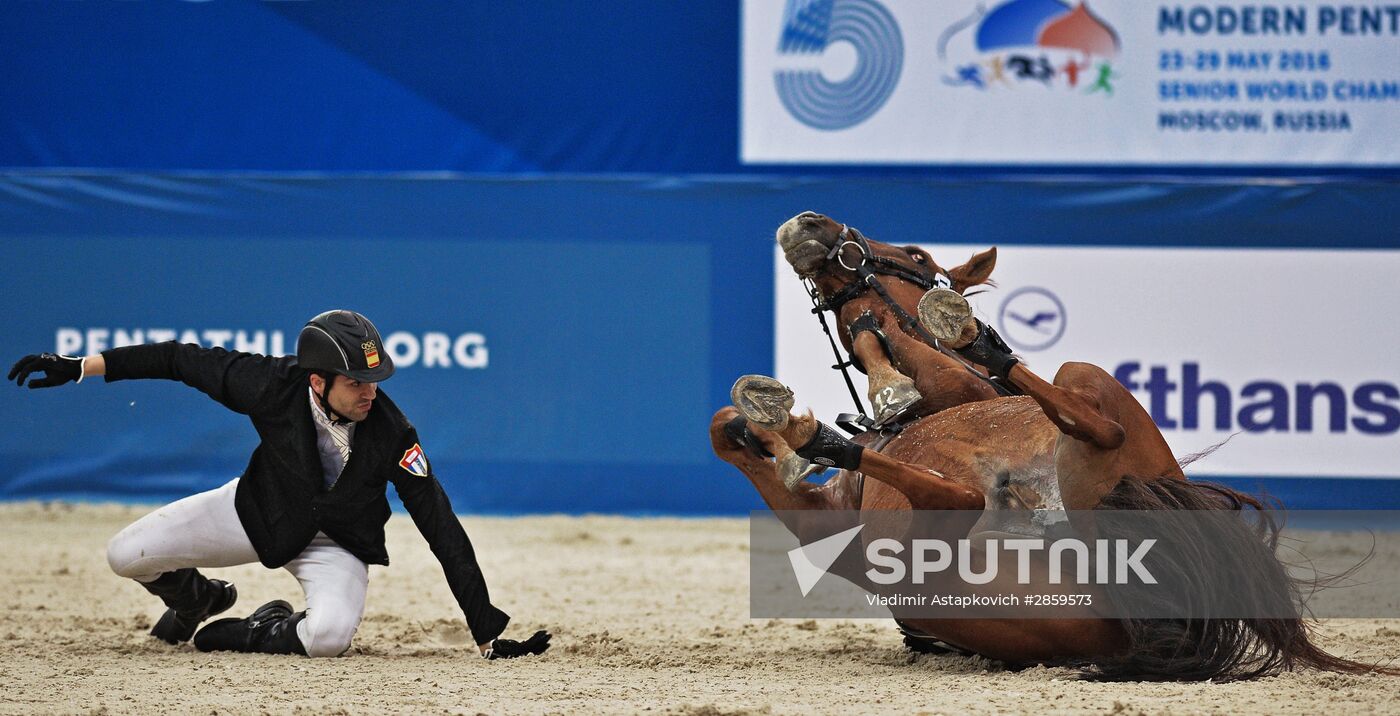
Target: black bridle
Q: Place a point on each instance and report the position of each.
(868, 271)
(869, 266)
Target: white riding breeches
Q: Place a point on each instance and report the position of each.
(203, 530)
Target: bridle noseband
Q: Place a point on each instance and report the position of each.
(868, 271)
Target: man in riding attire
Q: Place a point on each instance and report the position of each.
(312, 499)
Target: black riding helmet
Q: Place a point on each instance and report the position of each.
(342, 343)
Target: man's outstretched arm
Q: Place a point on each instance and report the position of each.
(235, 379)
(431, 511)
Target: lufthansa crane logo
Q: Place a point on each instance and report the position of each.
(810, 27)
(1032, 319)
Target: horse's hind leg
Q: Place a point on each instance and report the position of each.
(1075, 409)
(812, 440)
(1112, 434)
(1072, 404)
(1086, 469)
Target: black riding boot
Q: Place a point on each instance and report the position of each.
(191, 598)
(272, 629)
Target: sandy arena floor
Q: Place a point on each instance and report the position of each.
(649, 615)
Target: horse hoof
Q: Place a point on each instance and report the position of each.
(763, 401)
(943, 312)
(894, 399)
(794, 470)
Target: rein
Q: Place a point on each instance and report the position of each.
(868, 271)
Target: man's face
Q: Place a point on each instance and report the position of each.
(348, 397)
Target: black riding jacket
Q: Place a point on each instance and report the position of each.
(282, 500)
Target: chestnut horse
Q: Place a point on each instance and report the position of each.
(1082, 442)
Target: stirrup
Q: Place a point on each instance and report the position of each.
(854, 423)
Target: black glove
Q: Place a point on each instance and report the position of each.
(508, 649)
(57, 370)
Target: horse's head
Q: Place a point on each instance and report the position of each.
(830, 255)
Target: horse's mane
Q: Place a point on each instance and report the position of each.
(1221, 649)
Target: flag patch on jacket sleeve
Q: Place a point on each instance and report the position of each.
(414, 462)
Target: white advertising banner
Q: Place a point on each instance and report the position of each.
(1301, 367)
(1101, 82)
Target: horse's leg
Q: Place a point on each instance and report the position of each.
(891, 392)
(1087, 472)
(943, 381)
(946, 315)
(1112, 434)
(770, 402)
(842, 492)
(905, 373)
(763, 472)
(820, 443)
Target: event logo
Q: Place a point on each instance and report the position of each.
(1037, 42)
(1032, 319)
(430, 349)
(810, 27)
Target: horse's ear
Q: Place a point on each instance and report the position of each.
(977, 270)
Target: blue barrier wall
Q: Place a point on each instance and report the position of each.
(585, 329)
(576, 302)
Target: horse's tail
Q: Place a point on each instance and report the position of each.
(1221, 649)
